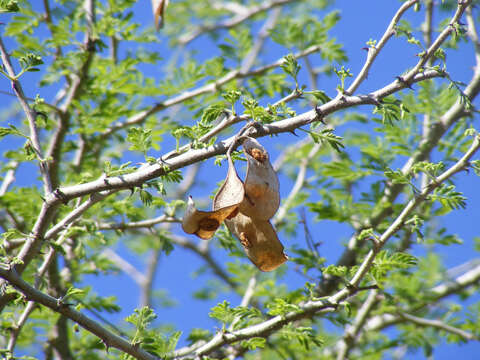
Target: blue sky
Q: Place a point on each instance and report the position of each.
(360, 21)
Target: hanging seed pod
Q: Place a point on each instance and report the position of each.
(204, 223)
(232, 191)
(159, 7)
(262, 197)
(259, 240)
(225, 204)
(246, 209)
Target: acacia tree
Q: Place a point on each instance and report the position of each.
(115, 132)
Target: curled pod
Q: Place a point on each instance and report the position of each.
(262, 196)
(259, 240)
(225, 205)
(204, 223)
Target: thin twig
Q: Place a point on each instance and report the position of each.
(31, 304)
(204, 89)
(351, 332)
(108, 338)
(320, 306)
(424, 57)
(438, 293)
(31, 116)
(473, 34)
(139, 224)
(299, 183)
(438, 325)
(234, 21)
(374, 51)
(9, 177)
(125, 266)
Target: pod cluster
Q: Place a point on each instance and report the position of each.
(246, 208)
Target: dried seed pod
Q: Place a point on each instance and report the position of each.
(259, 240)
(262, 197)
(159, 8)
(246, 209)
(204, 223)
(232, 191)
(225, 205)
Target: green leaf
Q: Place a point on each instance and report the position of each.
(291, 67)
(448, 197)
(430, 169)
(212, 113)
(11, 130)
(334, 270)
(327, 136)
(280, 307)
(306, 336)
(476, 166)
(29, 61)
(397, 176)
(342, 75)
(146, 197)
(74, 292)
(197, 334)
(9, 6)
(141, 139)
(319, 95)
(232, 96)
(416, 223)
(222, 312)
(366, 234)
(385, 262)
(391, 110)
(253, 343)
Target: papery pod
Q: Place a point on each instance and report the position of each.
(259, 240)
(204, 223)
(159, 8)
(226, 202)
(262, 196)
(232, 191)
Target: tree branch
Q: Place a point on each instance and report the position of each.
(57, 305)
(351, 332)
(374, 51)
(462, 5)
(438, 325)
(204, 89)
(234, 21)
(332, 302)
(126, 267)
(9, 177)
(439, 292)
(149, 172)
(31, 117)
(299, 183)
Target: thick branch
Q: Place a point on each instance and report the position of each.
(331, 303)
(149, 172)
(107, 337)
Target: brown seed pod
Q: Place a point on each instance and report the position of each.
(262, 197)
(159, 8)
(232, 191)
(246, 209)
(259, 240)
(229, 196)
(204, 223)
